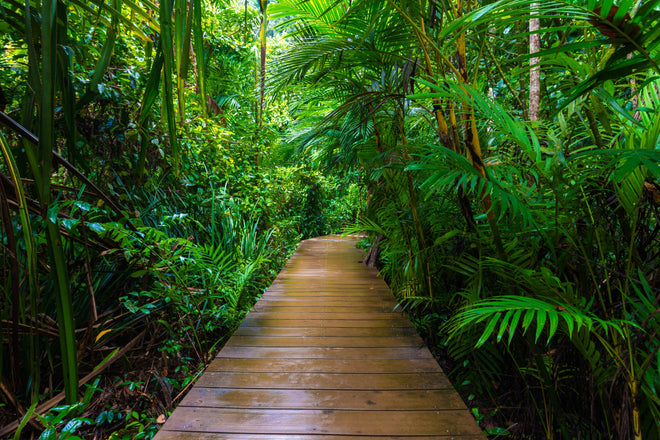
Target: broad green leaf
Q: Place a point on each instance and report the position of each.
(569, 323)
(70, 223)
(514, 324)
(96, 227)
(447, 236)
(488, 330)
(602, 93)
(541, 316)
(49, 434)
(504, 324)
(94, 85)
(71, 427)
(605, 7)
(527, 320)
(553, 319)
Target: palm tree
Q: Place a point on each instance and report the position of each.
(393, 102)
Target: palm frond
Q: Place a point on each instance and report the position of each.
(509, 314)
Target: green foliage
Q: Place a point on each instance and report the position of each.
(520, 247)
(507, 314)
(138, 426)
(131, 202)
(525, 250)
(309, 203)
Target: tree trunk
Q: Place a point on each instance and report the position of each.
(263, 29)
(535, 68)
(263, 5)
(373, 256)
(473, 145)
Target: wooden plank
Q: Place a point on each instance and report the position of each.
(330, 312)
(178, 435)
(374, 316)
(324, 341)
(327, 294)
(323, 356)
(325, 353)
(250, 321)
(336, 422)
(247, 365)
(325, 381)
(388, 400)
(358, 332)
(376, 301)
(345, 281)
(263, 308)
(309, 285)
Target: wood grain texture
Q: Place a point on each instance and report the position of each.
(411, 400)
(179, 435)
(324, 341)
(325, 381)
(335, 422)
(324, 354)
(375, 366)
(357, 332)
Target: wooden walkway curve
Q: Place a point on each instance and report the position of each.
(323, 355)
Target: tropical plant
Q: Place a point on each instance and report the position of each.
(94, 132)
(556, 218)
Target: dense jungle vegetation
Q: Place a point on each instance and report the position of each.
(160, 160)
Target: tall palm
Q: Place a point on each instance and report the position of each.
(539, 210)
(358, 55)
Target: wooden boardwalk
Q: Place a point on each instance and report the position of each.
(323, 356)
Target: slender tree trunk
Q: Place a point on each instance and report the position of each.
(447, 133)
(197, 51)
(413, 202)
(473, 145)
(183, 56)
(373, 256)
(263, 5)
(535, 68)
(245, 23)
(263, 30)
